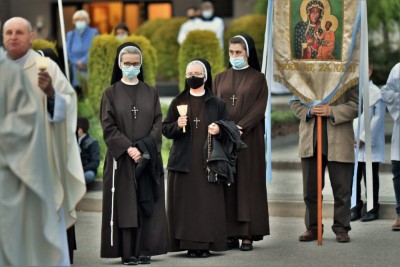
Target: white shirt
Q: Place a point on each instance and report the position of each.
(391, 95)
(377, 117)
(215, 25)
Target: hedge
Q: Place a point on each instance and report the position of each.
(165, 42)
(148, 28)
(40, 44)
(200, 44)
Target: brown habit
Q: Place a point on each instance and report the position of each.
(246, 200)
(121, 130)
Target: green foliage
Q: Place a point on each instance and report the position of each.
(200, 44)
(382, 18)
(253, 25)
(148, 28)
(39, 44)
(85, 109)
(166, 143)
(383, 13)
(100, 65)
(260, 6)
(165, 42)
(283, 117)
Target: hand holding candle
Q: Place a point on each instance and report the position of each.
(42, 63)
(182, 109)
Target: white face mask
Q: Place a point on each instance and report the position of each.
(80, 25)
(130, 72)
(122, 36)
(237, 62)
(207, 14)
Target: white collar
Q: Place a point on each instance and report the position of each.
(128, 83)
(197, 94)
(245, 67)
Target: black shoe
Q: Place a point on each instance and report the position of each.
(356, 211)
(130, 261)
(144, 260)
(191, 253)
(355, 215)
(246, 247)
(232, 243)
(370, 216)
(203, 254)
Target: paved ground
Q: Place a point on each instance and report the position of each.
(372, 244)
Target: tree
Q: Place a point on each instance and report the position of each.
(383, 17)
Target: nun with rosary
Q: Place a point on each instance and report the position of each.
(196, 207)
(134, 224)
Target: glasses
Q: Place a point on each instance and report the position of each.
(196, 74)
(128, 64)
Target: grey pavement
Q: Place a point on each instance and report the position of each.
(372, 244)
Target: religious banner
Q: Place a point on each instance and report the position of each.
(316, 47)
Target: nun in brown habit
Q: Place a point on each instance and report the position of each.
(244, 89)
(134, 224)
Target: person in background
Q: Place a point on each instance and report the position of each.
(121, 31)
(206, 21)
(377, 116)
(211, 22)
(79, 41)
(90, 150)
(192, 13)
(133, 191)
(391, 96)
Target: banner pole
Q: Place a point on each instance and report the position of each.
(64, 43)
(319, 178)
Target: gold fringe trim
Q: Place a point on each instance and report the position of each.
(349, 85)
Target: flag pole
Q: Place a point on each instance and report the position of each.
(64, 45)
(319, 178)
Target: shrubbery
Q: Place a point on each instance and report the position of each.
(40, 44)
(148, 28)
(165, 42)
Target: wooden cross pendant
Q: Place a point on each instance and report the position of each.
(233, 98)
(134, 110)
(196, 121)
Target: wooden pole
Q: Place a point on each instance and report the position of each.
(319, 177)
